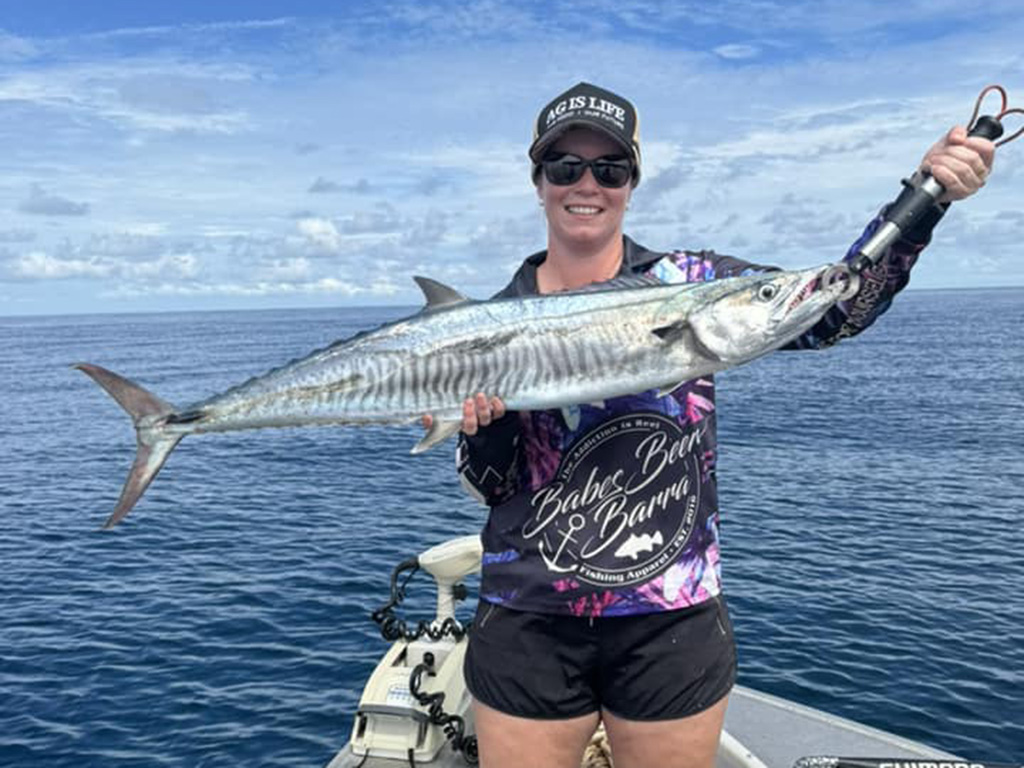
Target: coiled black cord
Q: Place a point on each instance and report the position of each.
(454, 726)
(393, 627)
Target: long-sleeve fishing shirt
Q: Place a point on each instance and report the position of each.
(612, 508)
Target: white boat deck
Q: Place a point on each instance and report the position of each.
(778, 732)
(764, 732)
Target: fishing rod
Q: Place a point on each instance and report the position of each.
(824, 761)
(918, 197)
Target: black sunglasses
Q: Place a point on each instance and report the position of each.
(563, 170)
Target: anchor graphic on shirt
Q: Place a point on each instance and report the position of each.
(576, 523)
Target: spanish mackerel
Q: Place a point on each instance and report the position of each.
(535, 352)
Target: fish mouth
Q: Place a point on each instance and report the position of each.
(841, 279)
(837, 280)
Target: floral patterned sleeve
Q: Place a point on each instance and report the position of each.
(879, 284)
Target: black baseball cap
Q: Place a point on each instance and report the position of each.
(587, 106)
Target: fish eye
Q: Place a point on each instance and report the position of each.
(767, 292)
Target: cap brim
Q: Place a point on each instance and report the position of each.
(540, 146)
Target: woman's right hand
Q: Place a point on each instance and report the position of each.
(479, 411)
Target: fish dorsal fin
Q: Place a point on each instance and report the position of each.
(438, 294)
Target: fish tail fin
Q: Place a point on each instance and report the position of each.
(154, 447)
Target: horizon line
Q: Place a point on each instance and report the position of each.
(136, 312)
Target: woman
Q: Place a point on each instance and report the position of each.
(601, 595)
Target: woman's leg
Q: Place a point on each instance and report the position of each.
(506, 741)
(688, 742)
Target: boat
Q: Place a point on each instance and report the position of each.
(415, 709)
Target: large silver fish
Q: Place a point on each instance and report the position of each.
(535, 352)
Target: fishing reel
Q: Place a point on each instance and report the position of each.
(920, 194)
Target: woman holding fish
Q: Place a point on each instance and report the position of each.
(601, 596)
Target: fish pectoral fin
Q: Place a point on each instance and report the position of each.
(438, 294)
(571, 417)
(668, 389)
(672, 332)
(439, 431)
(681, 332)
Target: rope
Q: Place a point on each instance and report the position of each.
(598, 753)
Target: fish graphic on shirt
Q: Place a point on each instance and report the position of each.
(634, 545)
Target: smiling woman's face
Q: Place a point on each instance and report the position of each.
(585, 214)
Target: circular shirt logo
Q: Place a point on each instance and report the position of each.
(623, 502)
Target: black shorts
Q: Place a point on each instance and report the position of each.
(656, 666)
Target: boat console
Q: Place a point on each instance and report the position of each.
(415, 705)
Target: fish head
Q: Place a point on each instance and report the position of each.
(764, 312)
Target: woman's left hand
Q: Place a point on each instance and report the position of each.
(958, 163)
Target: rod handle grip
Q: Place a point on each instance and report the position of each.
(987, 127)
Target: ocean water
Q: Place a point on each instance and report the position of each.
(873, 521)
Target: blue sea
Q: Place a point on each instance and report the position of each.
(872, 503)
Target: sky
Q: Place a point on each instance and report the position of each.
(196, 155)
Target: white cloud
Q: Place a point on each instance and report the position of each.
(737, 51)
(38, 265)
(176, 31)
(42, 203)
(258, 288)
(155, 94)
(17, 236)
(16, 49)
(321, 233)
(146, 229)
(290, 269)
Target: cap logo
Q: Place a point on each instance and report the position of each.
(592, 106)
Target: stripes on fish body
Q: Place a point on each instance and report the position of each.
(533, 352)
